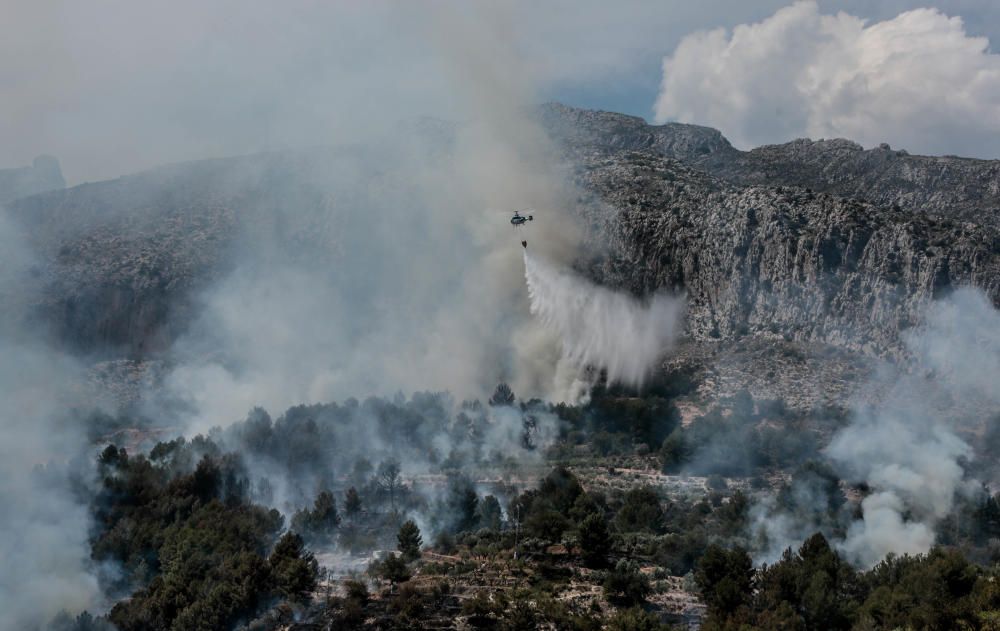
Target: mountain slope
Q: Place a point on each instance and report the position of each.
(779, 262)
(952, 187)
(673, 206)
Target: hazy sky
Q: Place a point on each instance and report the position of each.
(115, 86)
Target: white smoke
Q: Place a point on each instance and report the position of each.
(43, 525)
(909, 449)
(913, 461)
(408, 278)
(600, 328)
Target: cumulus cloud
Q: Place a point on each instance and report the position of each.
(917, 80)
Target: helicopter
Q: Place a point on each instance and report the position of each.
(519, 220)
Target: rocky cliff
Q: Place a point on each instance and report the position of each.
(778, 262)
(948, 187)
(803, 242)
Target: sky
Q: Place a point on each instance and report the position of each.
(113, 87)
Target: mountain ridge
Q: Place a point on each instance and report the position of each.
(125, 258)
(947, 186)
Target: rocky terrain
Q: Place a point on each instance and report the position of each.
(947, 186)
(819, 244)
(801, 266)
(802, 263)
(778, 261)
(122, 260)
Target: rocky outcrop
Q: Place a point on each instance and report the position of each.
(780, 262)
(948, 186)
(43, 175)
(761, 242)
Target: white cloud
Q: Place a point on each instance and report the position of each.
(917, 81)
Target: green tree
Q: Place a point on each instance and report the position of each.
(462, 503)
(546, 524)
(640, 511)
(587, 504)
(814, 583)
(294, 568)
(490, 515)
(393, 569)
(595, 541)
(625, 585)
(357, 591)
(408, 606)
(320, 523)
(560, 489)
(409, 541)
(675, 451)
(933, 591)
(724, 578)
(503, 395)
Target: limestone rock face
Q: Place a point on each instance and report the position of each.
(946, 186)
(780, 262)
(807, 242)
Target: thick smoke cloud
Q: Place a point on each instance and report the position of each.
(600, 328)
(917, 81)
(44, 524)
(911, 448)
(399, 270)
(373, 270)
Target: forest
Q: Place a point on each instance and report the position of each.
(423, 520)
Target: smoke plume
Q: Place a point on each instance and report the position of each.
(44, 524)
(911, 447)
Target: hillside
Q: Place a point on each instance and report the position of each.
(945, 186)
(196, 289)
(760, 250)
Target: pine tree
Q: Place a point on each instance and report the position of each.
(594, 540)
(409, 540)
(490, 514)
(389, 480)
(318, 524)
(393, 569)
(503, 395)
